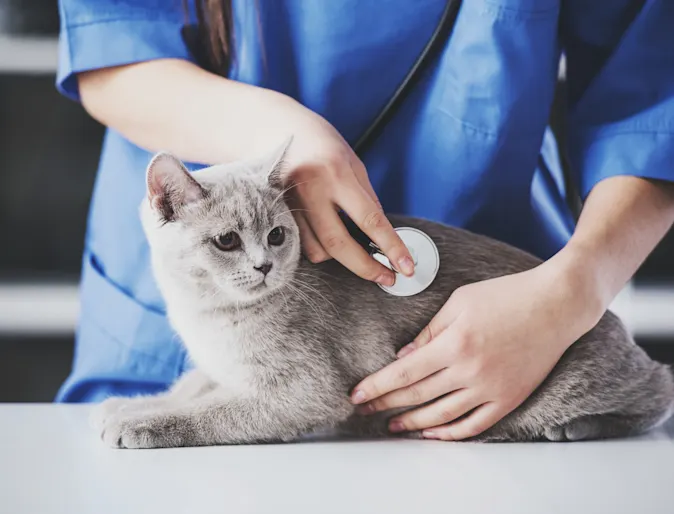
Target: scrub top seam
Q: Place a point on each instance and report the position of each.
(97, 267)
(607, 135)
(126, 346)
(465, 124)
(77, 25)
(514, 13)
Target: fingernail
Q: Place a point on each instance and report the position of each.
(429, 434)
(386, 280)
(366, 409)
(358, 397)
(405, 350)
(406, 265)
(396, 426)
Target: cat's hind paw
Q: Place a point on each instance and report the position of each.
(576, 430)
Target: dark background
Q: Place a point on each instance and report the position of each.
(49, 149)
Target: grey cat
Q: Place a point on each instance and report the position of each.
(278, 343)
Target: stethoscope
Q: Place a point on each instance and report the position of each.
(423, 250)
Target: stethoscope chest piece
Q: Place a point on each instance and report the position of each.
(426, 263)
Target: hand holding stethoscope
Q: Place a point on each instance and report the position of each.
(323, 177)
(338, 179)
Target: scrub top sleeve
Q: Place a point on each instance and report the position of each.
(104, 33)
(621, 83)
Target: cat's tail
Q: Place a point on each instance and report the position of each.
(657, 405)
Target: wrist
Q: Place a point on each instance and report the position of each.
(576, 273)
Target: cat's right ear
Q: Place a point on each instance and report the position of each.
(170, 186)
(277, 163)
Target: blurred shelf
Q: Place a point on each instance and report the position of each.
(647, 311)
(38, 309)
(52, 309)
(28, 54)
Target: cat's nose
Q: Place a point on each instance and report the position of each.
(264, 268)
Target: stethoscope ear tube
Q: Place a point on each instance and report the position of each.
(435, 44)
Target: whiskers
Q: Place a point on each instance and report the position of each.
(313, 275)
(286, 190)
(208, 293)
(311, 296)
(289, 211)
(301, 288)
(212, 297)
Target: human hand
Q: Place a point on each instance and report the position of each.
(323, 176)
(484, 353)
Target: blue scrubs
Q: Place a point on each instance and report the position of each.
(463, 149)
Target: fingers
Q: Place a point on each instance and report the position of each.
(364, 181)
(370, 218)
(338, 243)
(397, 375)
(428, 389)
(424, 337)
(444, 410)
(439, 323)
(484, 417)
(322, 227)
(310, 245)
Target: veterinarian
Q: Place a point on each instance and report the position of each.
(469, 146)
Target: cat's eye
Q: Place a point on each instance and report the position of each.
(227, 242)
(276, 236)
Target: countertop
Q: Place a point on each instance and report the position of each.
(52, 462)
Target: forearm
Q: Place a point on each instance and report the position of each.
(622, 221)
(176, 106)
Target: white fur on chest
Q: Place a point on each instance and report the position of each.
(216, 351)
(214, 345)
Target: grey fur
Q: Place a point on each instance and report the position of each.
(277, 360)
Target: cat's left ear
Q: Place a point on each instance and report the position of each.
(170, 187)
(275, 169)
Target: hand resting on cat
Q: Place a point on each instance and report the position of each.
(278, 343)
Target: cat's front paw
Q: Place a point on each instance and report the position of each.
(140, 432)
(104, 411)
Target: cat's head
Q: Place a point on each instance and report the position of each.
(226, 228)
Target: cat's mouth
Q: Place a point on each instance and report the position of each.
(259, 286)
